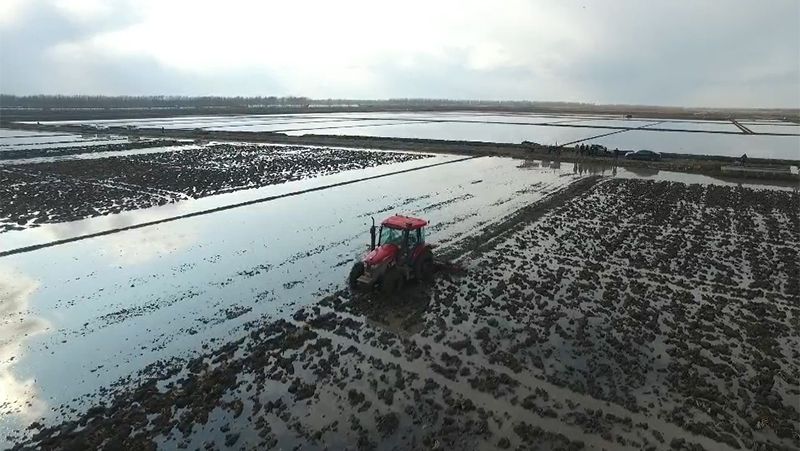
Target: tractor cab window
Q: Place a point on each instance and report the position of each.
(391, 236)
(413, 238)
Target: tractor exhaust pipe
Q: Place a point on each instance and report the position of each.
(372, 235)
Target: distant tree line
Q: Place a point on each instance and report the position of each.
(60, 101)
(86, 101)
(15, 107)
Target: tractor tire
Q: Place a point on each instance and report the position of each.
(392, 281)
(423, 269)
(356, 272)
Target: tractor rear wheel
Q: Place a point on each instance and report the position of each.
(392, 281)
(356, 272)
(423, 268)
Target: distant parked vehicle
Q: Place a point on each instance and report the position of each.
(644, 155)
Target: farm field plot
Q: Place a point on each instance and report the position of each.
(698, 126)
(215, 123)
(51, 141)
(505, 118)
(7, 133)
(776, 128)
(191, 122)
(73, 189)
(624, 314)
(615, 123)
(21, 144)
(125, 300)
(460, 131)
(317, 125)
(702, 137)
(782, 147)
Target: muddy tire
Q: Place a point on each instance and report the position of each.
(355, 273)
(392, 281)
(423, 269)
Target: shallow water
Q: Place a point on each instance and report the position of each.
(783, 147)
(95, 310)
(509, 128)
(42, 141)
(461, 131)
(774, 128)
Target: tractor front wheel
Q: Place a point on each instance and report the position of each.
(355, 273)
(392, 281)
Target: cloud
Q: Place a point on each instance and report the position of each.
(19, 398)
(658, 52)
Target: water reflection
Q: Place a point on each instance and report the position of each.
(19, 397)
(643, 171)
(123, 247)
(612, 169)
(148, 244)
(576, 168)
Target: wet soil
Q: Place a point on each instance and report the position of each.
(78, 149)
(626, 315)
(60, 191)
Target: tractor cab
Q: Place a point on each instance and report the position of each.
(397, 252)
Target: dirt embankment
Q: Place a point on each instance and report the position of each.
(624, 315)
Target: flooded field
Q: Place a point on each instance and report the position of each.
(22, 144)
(193, 296)
(69, 190)
(115, 297)
(784, 147)
(701, 137)
(613, 318)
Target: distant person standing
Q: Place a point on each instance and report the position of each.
(743, 159)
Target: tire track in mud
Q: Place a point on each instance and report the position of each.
(405, 202)
(527, 383)
(445, 203)
(218, 209)
(464, 389)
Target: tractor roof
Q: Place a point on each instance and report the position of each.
(404, 222)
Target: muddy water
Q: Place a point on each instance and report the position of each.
(95, 310)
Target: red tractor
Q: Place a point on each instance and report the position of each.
(399, 254)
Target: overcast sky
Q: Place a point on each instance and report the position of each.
(692, 53)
